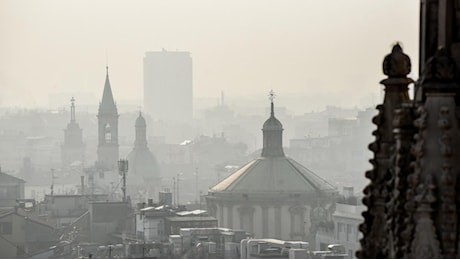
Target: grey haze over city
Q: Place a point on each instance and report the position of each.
(129, 127)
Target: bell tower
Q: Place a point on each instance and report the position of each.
(107, 150)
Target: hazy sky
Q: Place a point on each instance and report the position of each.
(325, 48)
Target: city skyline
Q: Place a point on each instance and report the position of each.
(243, 49)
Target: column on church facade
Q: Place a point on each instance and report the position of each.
(278, 221)
(229, 206)
(265, 227)
(297, 216)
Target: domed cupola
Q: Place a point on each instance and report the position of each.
(140, 121)
(273, 196)
(272, 134)
(141, 133)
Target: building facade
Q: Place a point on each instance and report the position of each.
(22, 234)
(11, 189)
(344, 231)
(168, 85)
(273, 196)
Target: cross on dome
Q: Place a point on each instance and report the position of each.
(271, 95)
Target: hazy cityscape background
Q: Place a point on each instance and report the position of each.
(314, 52)
(219, 60)
(322, 58)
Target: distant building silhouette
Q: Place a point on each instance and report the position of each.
(107, 150)
(11, 189)
(168, 87)
(73, 149)
(143, 167)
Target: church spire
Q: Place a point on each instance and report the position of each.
(72, 110)
(272, 133)
(107, 151)
(107, 104)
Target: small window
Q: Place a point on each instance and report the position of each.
(108, 134)
(6, 228)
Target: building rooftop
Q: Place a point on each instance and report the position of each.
(6, 178)
(279, 174)
(273, 171)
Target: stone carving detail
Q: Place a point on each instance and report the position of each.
(404, 132)
(413, 176)
(369, 194)
(425, 243)
(420, 189)
(396, 64)
(439, 68)
(448, 209)
(378, 226)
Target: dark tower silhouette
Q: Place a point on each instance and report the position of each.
(143, 172)
(107, 150)
(413, 199)
(73, 148)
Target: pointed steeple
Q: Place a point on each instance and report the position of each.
(272, 134)
(107, 104)
(107, 150)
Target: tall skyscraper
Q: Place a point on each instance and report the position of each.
(168, 87)
(107, 150)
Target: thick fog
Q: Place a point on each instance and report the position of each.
(315, 52)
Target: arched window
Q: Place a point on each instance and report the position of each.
(108, 134)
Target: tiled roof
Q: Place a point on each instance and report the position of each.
(279, 174)
(9, 178)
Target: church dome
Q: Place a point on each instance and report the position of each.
(273, 172)
(142, 165)
(140, 121)
(272, 124)
(273, 175)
